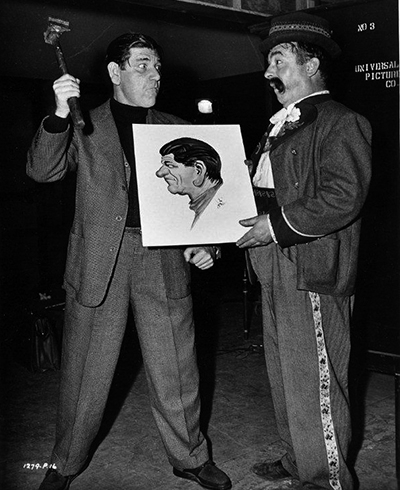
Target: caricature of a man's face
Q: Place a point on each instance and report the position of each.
(180, 178)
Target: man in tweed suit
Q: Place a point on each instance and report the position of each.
(311, 173)
(108, 269)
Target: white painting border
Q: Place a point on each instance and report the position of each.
(165, 217)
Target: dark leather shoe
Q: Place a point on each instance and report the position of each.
(271, 471)
(207, 475)
(54, 480)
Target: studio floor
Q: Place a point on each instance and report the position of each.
(237, 415)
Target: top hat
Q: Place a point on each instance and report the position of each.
(303, 27)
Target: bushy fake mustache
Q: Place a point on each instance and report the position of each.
(276, 83)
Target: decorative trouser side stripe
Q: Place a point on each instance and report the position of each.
(324, 394)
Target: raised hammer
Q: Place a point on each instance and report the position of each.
(52, 36)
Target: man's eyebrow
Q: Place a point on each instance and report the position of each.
(145, 57)
(142, 57)
(274, 53)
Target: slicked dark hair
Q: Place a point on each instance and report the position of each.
(188, 150)
(119, 49)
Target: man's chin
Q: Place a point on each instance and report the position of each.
(148, 104)
(281, 97)
(177, 192)
(172, 190)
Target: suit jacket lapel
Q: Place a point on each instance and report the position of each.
(106, 139)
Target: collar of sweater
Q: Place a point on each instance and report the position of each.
(127, 113)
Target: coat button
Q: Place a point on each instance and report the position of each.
(294, 152)
(119, 218)
(296, 184)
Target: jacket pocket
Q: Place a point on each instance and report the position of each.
(318, 264)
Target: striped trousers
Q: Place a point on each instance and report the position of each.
(307, 350)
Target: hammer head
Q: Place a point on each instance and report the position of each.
(54, 30)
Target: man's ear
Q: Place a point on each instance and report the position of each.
(200, 171)
(312, 66)
(114, 72)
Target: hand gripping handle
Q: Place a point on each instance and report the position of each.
(73, 102)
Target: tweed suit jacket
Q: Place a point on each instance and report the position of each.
(322, 171)
(103, 177)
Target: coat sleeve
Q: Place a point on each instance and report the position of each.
(342, 176)
(51, 155)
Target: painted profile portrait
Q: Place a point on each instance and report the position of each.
(191, 167)
(193, 184)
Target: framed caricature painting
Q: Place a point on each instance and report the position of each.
(193, 184)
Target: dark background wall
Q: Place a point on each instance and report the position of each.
(368, 81)
(201, 46)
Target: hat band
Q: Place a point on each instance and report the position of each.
(299, 27)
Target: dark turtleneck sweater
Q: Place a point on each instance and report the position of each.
(124, 116)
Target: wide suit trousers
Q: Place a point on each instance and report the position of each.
(92, 340)
(307, 349)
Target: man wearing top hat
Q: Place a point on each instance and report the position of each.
(311, 173)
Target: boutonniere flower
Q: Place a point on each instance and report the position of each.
(293, 115)
(284, 120)
(292, 121)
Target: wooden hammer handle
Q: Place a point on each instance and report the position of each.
(73, 102)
